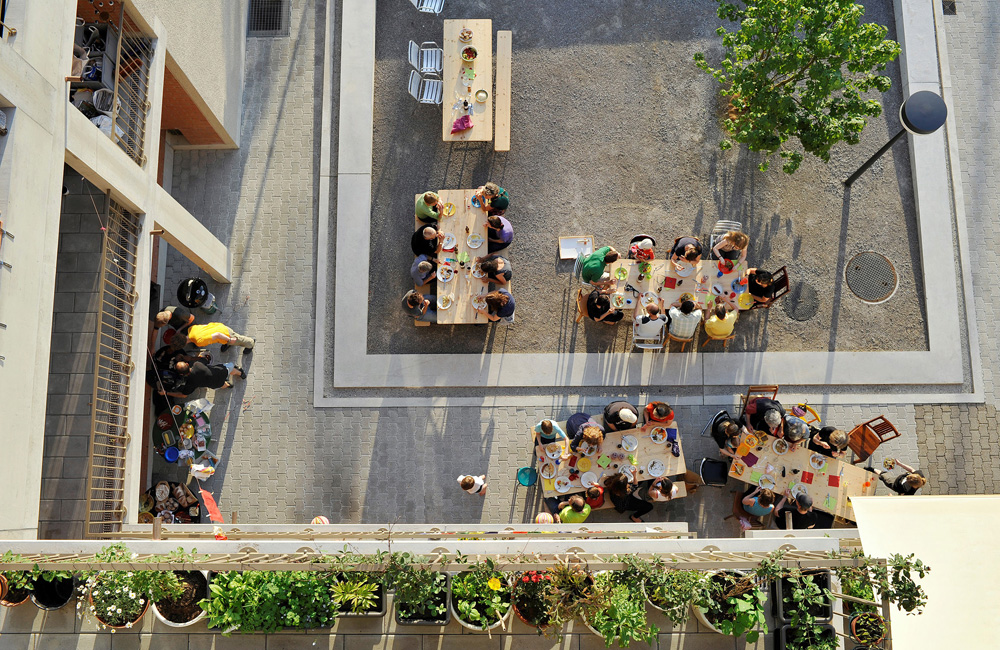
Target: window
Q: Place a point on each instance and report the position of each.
(268, 18)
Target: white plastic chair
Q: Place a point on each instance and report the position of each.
(722, 226)
(645, 342)
(426, 59)
(578, 272)
(429, 6)
(425, 91)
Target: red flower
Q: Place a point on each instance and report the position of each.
(524, 579)
(534, 578)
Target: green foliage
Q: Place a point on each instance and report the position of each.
(674, 590)
(868, 628)
(894, 579)
(572, 592)
(421, 594)
(735, 604)
(355, 592)
(118, 598)
(623, 618)
(265, 601)
(25, 580)
(482, 595)
(799, 69)
(805, 598)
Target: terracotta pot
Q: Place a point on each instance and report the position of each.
(517, 612)
(854, 621)
(90, 599)
(3, 587)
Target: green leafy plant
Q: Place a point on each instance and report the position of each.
(734, 604)
(674, 590)
(528, 597)
(805, 599)
(894, 579)
(799, 69)
(623, 618)
(421, 594)
(481, 595)
(354, 592)
(249, 602)
(118, 598)
(868, 628)
(571, 592)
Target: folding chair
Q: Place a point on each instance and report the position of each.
(865, 438)
(425, 60)
(769, 391)
(756, 523)
(722, 226)
(425, 91)
(647, 343)
(429, 6)
(710, 427)
(713, 472)
(581, 305)
(780, 286)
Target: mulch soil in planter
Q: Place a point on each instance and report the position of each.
(16, 596)
(185, 607)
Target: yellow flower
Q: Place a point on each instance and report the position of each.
(494, 584)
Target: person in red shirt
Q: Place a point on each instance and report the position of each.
(595, 497)
(657, 414)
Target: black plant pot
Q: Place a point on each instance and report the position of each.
(55, 594)
(444, 620)
(782, 588)
(780, 643)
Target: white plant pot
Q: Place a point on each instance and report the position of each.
(203, 614)
(699, 613)
(505, 619)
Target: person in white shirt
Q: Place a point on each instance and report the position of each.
(662, 489)
(473, 484)
(649, 322)
(684, 320)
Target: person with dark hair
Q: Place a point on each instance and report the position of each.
(802, 513)
(499, 304)
(621, 488)
(906, 483)
(759, 285)
(599, 308)
(758, 502)
(726, 434)
(420, 307)
(593, 266)
(684, 319)
(829, 441)
(548, 432)
(620, 415)
(201, 375)
(428, 207)
(426, 240)
(661, 489)
(581, 428)
(497, 269)
(688, 248)
(721, 321)
(656, 414)
(179, 318)
(423, 269)
(755, 416)
(574, 510)
(499, 233)
(595, 496)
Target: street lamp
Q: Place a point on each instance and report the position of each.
(922, 113)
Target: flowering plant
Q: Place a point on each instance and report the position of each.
(529, 597)
(480, 595)
(119, 598)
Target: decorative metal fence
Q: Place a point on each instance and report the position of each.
(131, 104)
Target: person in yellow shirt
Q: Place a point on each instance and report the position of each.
(720, 322)
(209, 333)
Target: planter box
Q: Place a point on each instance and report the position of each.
(378, 612)
(437, 623)
(780, 641)
(782, 588)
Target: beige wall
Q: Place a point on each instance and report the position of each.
(207, 41)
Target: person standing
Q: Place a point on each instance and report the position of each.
(905, 484)
(209, 333)
(473, 484)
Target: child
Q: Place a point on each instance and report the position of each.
(595, 497)
(662, 489)
(473, 484)
(548, 432)
(574, 511)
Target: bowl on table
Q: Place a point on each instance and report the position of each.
(465, 35)
(469, 53)
(482, 95)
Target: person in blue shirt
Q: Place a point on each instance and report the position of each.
(759, 503)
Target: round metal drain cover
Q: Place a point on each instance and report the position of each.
(871, 277)
(802, 302)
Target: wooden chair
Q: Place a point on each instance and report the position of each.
(581, 305)
(780, 285)
(725, 340)
(865, 438)
(683, 342)
(739, 512)
(769, 391)
(501, 137)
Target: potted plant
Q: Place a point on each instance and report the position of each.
(674, 591)
(357, 593)
(894, 579)
(804, 604)
(528, 598)
(52, 590)
(791, 590)
(184, 610)
(481, 597)
(623, 617)
(266, 601)
(18, 587)
(867, 628)
(422, 597)
(571, 592)
(733, 603)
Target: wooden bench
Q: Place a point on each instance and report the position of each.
(501, 133)
(417, 224)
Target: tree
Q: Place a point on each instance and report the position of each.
(799, 69)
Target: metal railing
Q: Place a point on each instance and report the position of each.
(113, 368)
(131, 105)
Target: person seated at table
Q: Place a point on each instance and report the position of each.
(649, 322)
(428, 207)
(499, 304)
(656, 414)
(574, 510)
(595, 496)
(905, 484)
(423, 270)
(759, 285)
(581, 428)
(803, 516)
(726, 434)
(732, 246)
(686, 248)
(493, 199)
(548, 432)
(753, 414)
(594, 266)
(721, 321)
(496, 268)
(201, 375)
(684, 319)
(796, 431)
(599, 308)
(620, 488)
(828, 441)
(620, 416)
(420, 307)
(499, 233)
(662, 489)
(758, 502)
(642, 250)
(427, 240)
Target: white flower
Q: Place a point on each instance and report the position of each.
(142, 601)
(135, 555)
(131, 594)
(129, 625)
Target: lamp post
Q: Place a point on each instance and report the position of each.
(922, 113)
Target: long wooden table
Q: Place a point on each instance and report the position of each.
(661, 273)
(830, 487)
(456, 89)
(463, 285)
(645, 452)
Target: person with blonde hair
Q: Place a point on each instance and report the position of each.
(905, 484)
(828, 441)
(732, 246)
(428, 207)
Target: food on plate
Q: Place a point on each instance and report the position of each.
(648, 298)
(656, 467)
(475, 241)
(687, 296)
(817, 461)
(618, 301)
(553, 450)
(629, 443)
(548, 470)
(621, 273)
(779, 446)
(766, 482)
(162, 491)
(738, 468)
(444, 301)
(469, 53)
(658, 435)
(465, 34)
(479, 302)
(562, 484)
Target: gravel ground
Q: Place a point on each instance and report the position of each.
(614, 132)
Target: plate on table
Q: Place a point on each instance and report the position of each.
(751, 440)
(477, 271)
(817, 461)
(548, 470)
(629, 471)
(448, 209)
(685, 271)
(648, 298)
(766, 482)
(445, 301)
(656, 468)
(479, 301)
(465, 35)
(475, 240)
(718, 289)
(475, 202)
(761, 435)
(745, 301)
(583, 464)
(621, 273)
(797, 489)
(553, 450)
(585, 449)
(618, 300)
(779, 446)
(738, 287)
(629, 443)
(589, 479)
(562, 484)
(738, 468)
(658, 435)
(449, 240)
(687, 296)
(445, 273)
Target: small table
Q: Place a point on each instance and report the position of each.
(463, 285)
(645, 452)
(664, 280)
(830, 487)
(455, 88)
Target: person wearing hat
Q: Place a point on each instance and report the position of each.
(420, 307)
(620, 416)
(642, 250)
(803, 516)
(499, 233)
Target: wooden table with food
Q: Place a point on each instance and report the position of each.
(459, 285)
(704, 282)
(563, 473)
(768, 462)
(468, 79)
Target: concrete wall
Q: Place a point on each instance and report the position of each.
(206, 42)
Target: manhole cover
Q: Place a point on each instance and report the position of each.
(802, 302)
(871, 277)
